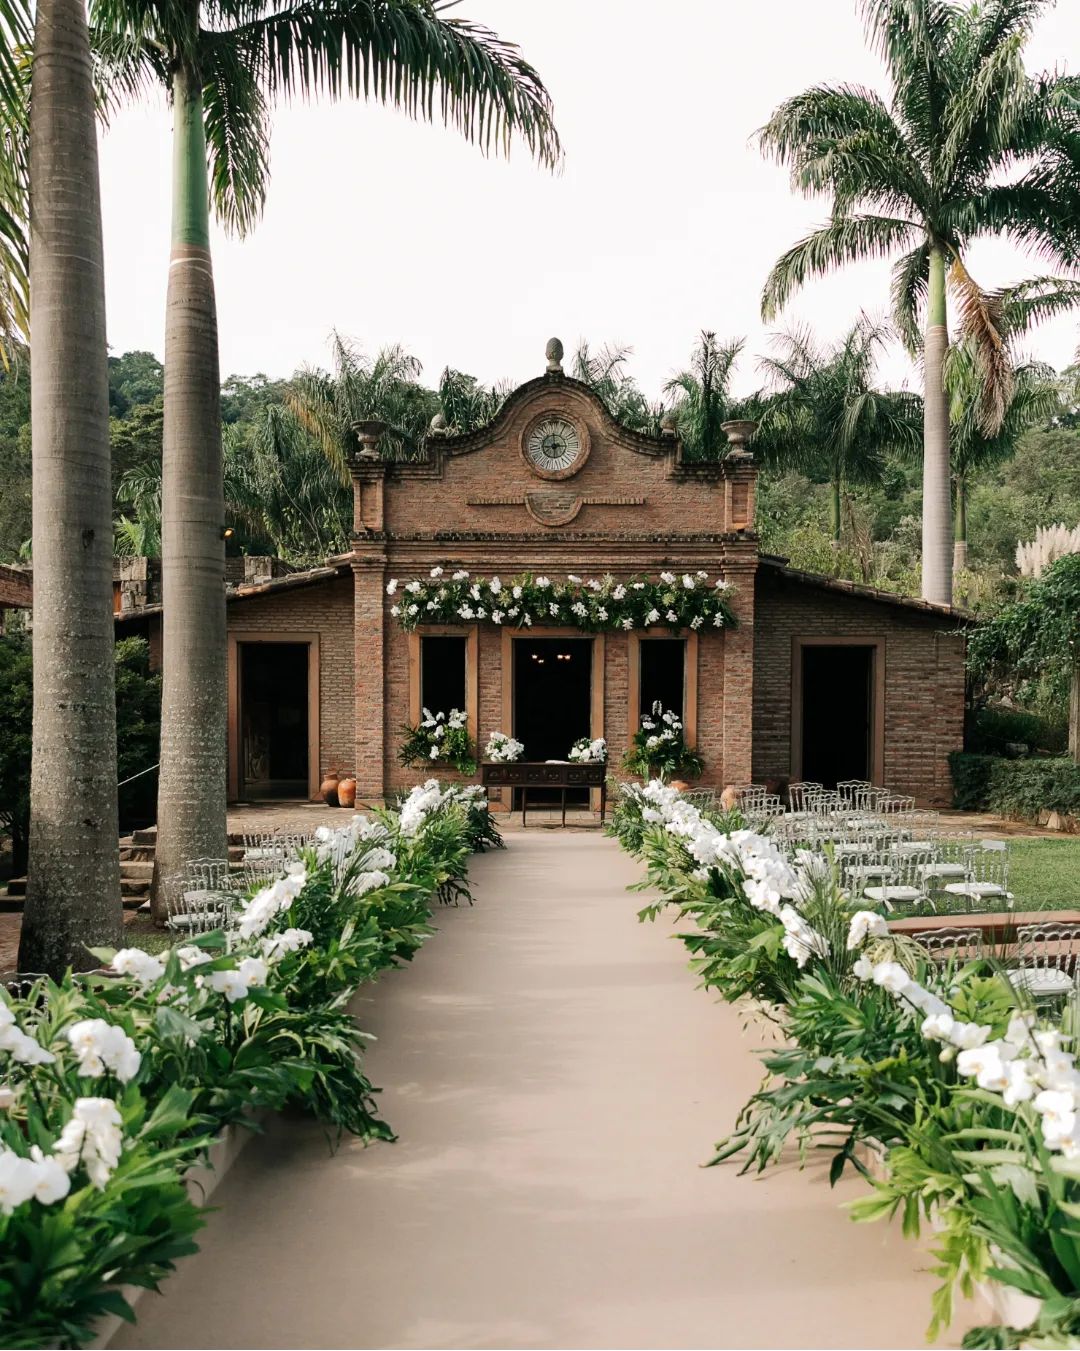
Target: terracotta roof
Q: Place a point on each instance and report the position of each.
(863, 592)
(249, 590)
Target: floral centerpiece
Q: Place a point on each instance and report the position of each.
(586, 752)
(503, 749)
(596, 605)
(659, 748)
(439, 737)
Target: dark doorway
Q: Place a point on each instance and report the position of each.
(273, 720)
(442, 673)
(837, 705)
(552, 698)
(662, 674)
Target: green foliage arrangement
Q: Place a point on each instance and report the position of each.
(1019, 788)
(968, 1098)
(439, 739)
(598, 605)
(116, 1082)
(659, 750)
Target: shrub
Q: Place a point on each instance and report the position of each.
(1021, 788)
(991, 729)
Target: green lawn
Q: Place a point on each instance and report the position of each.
(1044, 873)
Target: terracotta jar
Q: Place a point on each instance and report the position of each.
(328, 789)
(680, 784)
(346, 792)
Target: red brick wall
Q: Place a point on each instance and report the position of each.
(924, 680)
(327, 609)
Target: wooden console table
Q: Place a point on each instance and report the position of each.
(526, 774)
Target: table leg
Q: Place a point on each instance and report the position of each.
(524, 804)
(603, 800)
(564, 806)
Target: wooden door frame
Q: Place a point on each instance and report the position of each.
(471, 634)
(596, 687)
(313, 700)
(876, 768)
(690, 680)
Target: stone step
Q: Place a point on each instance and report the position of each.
(133, 868)
(135, 886)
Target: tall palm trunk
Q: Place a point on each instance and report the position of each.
(191, 791)
(1074, 713)
(835, 512)
(960, 549)
(73, 891)
(937, 494)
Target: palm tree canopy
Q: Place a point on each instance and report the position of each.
(386, 386)
(825, 414)
(1036, 399)
(702, 394)
(603, 370)
(968, 144)
(249, 54)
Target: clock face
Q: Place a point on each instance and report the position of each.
(553, 445)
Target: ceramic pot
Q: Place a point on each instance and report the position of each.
(346, 792)
(328, 789)
(680, 784)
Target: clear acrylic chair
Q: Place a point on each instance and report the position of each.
(905, 888)
(988, 873)
(1046, 959)
(952, 945)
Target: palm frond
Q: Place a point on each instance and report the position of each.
(237, 138)
(982, 325)
(846, 239)
(409, 56)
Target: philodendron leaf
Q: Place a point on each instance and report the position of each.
(171, 1114)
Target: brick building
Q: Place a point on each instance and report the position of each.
(819, 679)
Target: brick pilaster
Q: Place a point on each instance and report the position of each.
(369, 637)
(738, 703)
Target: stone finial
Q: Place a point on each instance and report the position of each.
(669, 423)
(554, 353)
(368, 431)
(437, 426)
(738, 433)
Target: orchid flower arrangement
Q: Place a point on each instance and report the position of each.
(112, 1084)
(439, 738)
(689, 600)
(503, 749)
(586, 751)
(968, 1096)
(659, 750)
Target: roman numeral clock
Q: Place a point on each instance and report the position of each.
(555, 446)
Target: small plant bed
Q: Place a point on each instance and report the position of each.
(115, 1083)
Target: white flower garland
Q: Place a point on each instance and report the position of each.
(594, 606)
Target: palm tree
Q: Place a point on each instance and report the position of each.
(466, 404)
(702, 396)
(73, 887)
(603, 371)
(387, 387)
(1035, 398)
(225, 65)
(826, 417)
(968, 145)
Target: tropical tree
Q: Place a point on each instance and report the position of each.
(328, 404)
(969, 144)
(604, 372)
(466, 403)
(73, 886)
(702, 396)
(825, 416)
(1034, 399)
(226, 63)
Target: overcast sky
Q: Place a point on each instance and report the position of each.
(665, 219)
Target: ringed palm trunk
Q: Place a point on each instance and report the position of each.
(960, 549)
(937, 494)
(192, 781)
(1074, 714)
(835, 513)
(73, 890)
